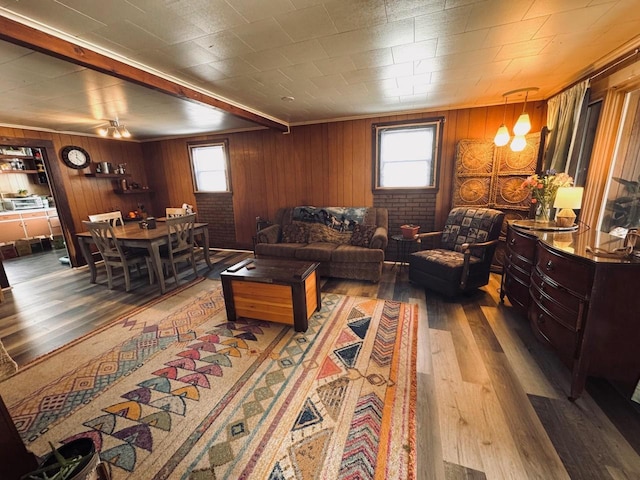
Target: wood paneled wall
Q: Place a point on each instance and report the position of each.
(322, 164)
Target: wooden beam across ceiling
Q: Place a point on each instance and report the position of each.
(34, 39)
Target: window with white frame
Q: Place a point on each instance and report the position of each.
(406, 154)
(210, 167)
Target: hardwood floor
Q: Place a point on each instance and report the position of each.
(492, 401)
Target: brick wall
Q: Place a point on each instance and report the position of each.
(416, 208)
(217, 210)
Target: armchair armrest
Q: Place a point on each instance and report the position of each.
(380, 239)
(428, 235)
(466, 249)
(271, 234)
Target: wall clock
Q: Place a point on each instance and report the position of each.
(75, 157)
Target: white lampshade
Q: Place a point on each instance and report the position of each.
(502, 136)
(567, 199)
(523, 125)
(518, 143)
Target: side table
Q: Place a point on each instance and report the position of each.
(403, 248)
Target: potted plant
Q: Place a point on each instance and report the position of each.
(73, 460)
(409, 230)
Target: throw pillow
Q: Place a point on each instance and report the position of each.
(362, 235)
(325, 234)
(294, 233)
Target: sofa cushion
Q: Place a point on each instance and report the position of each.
(284, 250)
(316, 252)
(362, 235)
(350, 253)
(319, 233)
(295, 232)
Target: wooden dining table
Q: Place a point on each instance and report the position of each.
(131, 235)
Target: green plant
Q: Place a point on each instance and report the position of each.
(626, 209)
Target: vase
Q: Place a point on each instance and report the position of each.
(543, 213)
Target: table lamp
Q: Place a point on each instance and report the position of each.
(567, 200)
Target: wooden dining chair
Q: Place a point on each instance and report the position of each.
(112, 252)
(171, 212)
(114, 218)
(180, 246)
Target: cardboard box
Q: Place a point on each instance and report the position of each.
(8, 251)
(23, 247)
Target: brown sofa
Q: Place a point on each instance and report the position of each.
(346, 247)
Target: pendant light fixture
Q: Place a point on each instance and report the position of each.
(522, 126)
(502, 135)
(114, 130)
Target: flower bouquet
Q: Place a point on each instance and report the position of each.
(543, 188)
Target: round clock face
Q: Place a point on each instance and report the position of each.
(75, 157)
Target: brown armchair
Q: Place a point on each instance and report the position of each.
(463, 260)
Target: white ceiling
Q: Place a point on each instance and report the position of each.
(337, 58)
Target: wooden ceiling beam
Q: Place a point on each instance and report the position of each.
(34, 39)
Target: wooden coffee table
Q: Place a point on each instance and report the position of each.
(282, 291)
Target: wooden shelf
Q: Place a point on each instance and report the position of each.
(107, 175)
(19, 171)
(133, 191)
(20, 157)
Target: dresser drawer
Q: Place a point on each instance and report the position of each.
(556, 335)
(567, 300)
(524, 264)
(565, 271)
(517, 292)
(514, 270)
(560, 314)
(522, 244)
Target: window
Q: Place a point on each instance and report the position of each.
(406, 154)
(210, 166)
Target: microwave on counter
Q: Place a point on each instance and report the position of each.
(25, 203)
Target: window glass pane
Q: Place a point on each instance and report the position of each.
(406, 154)
(209, 164)
(406, 174)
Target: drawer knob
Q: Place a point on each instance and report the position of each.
(540, 319)
(549, 265)
(512, 241)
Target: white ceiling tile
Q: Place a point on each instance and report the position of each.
(126, 33)
(497, 12)
(267, 59)
(330, 66)
(204, 73)
(522, 49)
(372, 38)
(224, 45)
(463, 42)
(543, 8)
(302, 52)
(188, 54)
(210, 16)
(301, 71)
(356, 14)
(575, 20)
(447, 22)
(306, 24)
(233, 67)
(379, 73)
(253, 11)
(513, 32)
(328, 81)
(401, 9)
(373, 58)
(414, 51)
(262, 35)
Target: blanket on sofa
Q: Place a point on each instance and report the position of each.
(342, 219)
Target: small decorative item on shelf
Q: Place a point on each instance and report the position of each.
(410, 230)
(543, 188)
(148, 223)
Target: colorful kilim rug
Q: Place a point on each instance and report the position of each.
(174, 390)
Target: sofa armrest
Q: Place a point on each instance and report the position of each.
(271, 234)
(379, 239)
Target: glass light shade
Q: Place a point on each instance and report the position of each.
(103, 132)
(502, 136)
(125, 132)
(518, 143)
(523, 125)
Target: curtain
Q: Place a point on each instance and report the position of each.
(563, 113)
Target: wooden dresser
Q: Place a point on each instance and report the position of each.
(584, 307)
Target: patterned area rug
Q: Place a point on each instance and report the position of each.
(174, 390)
(7, 366)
